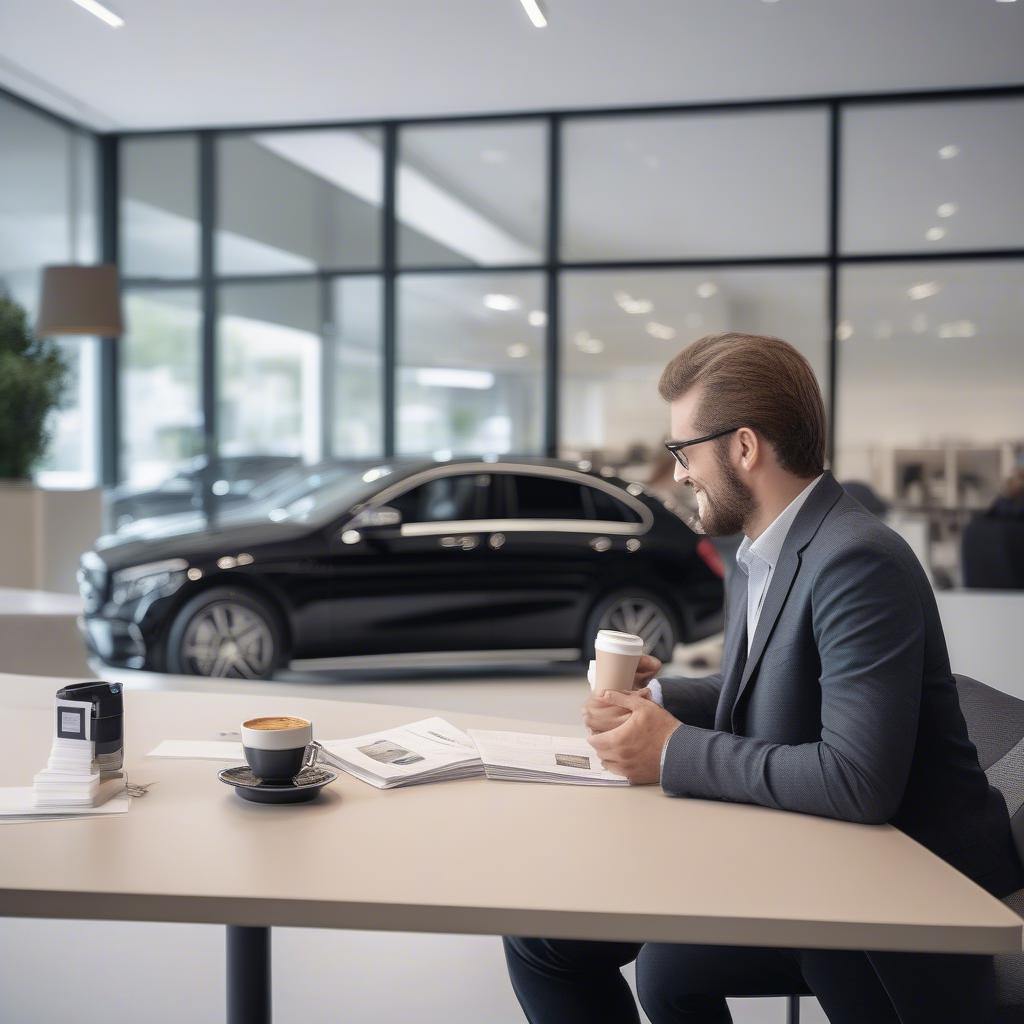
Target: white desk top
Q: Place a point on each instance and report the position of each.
(472, 856)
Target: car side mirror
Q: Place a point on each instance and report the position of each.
(381, 517)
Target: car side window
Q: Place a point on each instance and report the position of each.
(446, 499)
(545, 497)
(609, 509)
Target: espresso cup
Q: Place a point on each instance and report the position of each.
(278, 747)
(616, 656)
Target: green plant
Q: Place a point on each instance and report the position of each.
(33, 375)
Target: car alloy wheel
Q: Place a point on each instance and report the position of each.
(226, 638)
(643, 618)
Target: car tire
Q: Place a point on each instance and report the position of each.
(226, 632)
(638, 611)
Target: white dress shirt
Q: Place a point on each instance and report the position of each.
(757, 560)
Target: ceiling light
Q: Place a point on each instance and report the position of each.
(537, 318)
(919, 323)
(101, 12)
(628, 304)
(958, 329)
(934, 234)
(948, 152)
(946, 209)
(844, 330)
(535, 13)
(706, 289)
(585, 343)
(924, 290)
(518, 350)
(502, 303)
(661, 331)
(442, 377)
(493, 156)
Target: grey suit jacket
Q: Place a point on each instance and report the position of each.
(845, 706)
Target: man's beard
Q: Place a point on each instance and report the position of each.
(725, 512)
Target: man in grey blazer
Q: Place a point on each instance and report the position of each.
(835, 698)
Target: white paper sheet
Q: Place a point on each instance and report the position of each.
(527, 757)
(431, 750)
(199, 750)
(17, 803)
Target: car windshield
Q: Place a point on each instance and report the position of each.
(316, 494)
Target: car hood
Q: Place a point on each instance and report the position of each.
(192, 539)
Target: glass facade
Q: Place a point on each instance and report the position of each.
(159, 378)
(516, 284)
(940, 177)
(470, 364)
(620, 328)
(159, 207)
(695, 186)
(49, 213)
(472, 194)
(268, 369)
(296, 202)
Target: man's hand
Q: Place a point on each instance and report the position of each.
(600, 716)
(646, 669)
(633, 749)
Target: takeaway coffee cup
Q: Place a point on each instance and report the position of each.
(278, 747)
(615, 659)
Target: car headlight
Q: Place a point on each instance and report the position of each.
(160, 578)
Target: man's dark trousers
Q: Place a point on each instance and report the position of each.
(560, 981)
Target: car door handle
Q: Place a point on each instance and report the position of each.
(465, 542)
(600, 543)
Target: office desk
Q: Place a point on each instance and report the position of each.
(472, 856)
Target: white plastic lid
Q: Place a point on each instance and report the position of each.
(613, 642)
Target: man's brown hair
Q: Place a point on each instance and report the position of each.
(750, 380)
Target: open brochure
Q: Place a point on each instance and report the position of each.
(431, 750)
(525, 757)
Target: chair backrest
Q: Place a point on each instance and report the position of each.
(995, 725)
(992, 554)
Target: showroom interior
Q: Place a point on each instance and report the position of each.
(355, 244)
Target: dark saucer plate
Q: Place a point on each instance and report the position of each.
(305, 786)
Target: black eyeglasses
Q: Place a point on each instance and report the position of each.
(676, 447)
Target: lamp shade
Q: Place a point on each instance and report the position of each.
(80, 300)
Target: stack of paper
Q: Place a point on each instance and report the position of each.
(431, 750)
(73, 777)
(18, 804)
(525, 757)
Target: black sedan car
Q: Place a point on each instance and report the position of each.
(514, 559)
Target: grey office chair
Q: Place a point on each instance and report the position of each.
(995, 724)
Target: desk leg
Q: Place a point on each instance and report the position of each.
(248, 970)
(793, 1010)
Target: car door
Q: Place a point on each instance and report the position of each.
(419, 586)
(557, 552)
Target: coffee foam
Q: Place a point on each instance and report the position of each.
(613, 642)
(276, 722)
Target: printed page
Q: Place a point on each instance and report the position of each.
(424, 747)
(542, 758)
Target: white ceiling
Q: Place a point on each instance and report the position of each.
(193, 62)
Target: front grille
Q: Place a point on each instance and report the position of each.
(92, 582)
